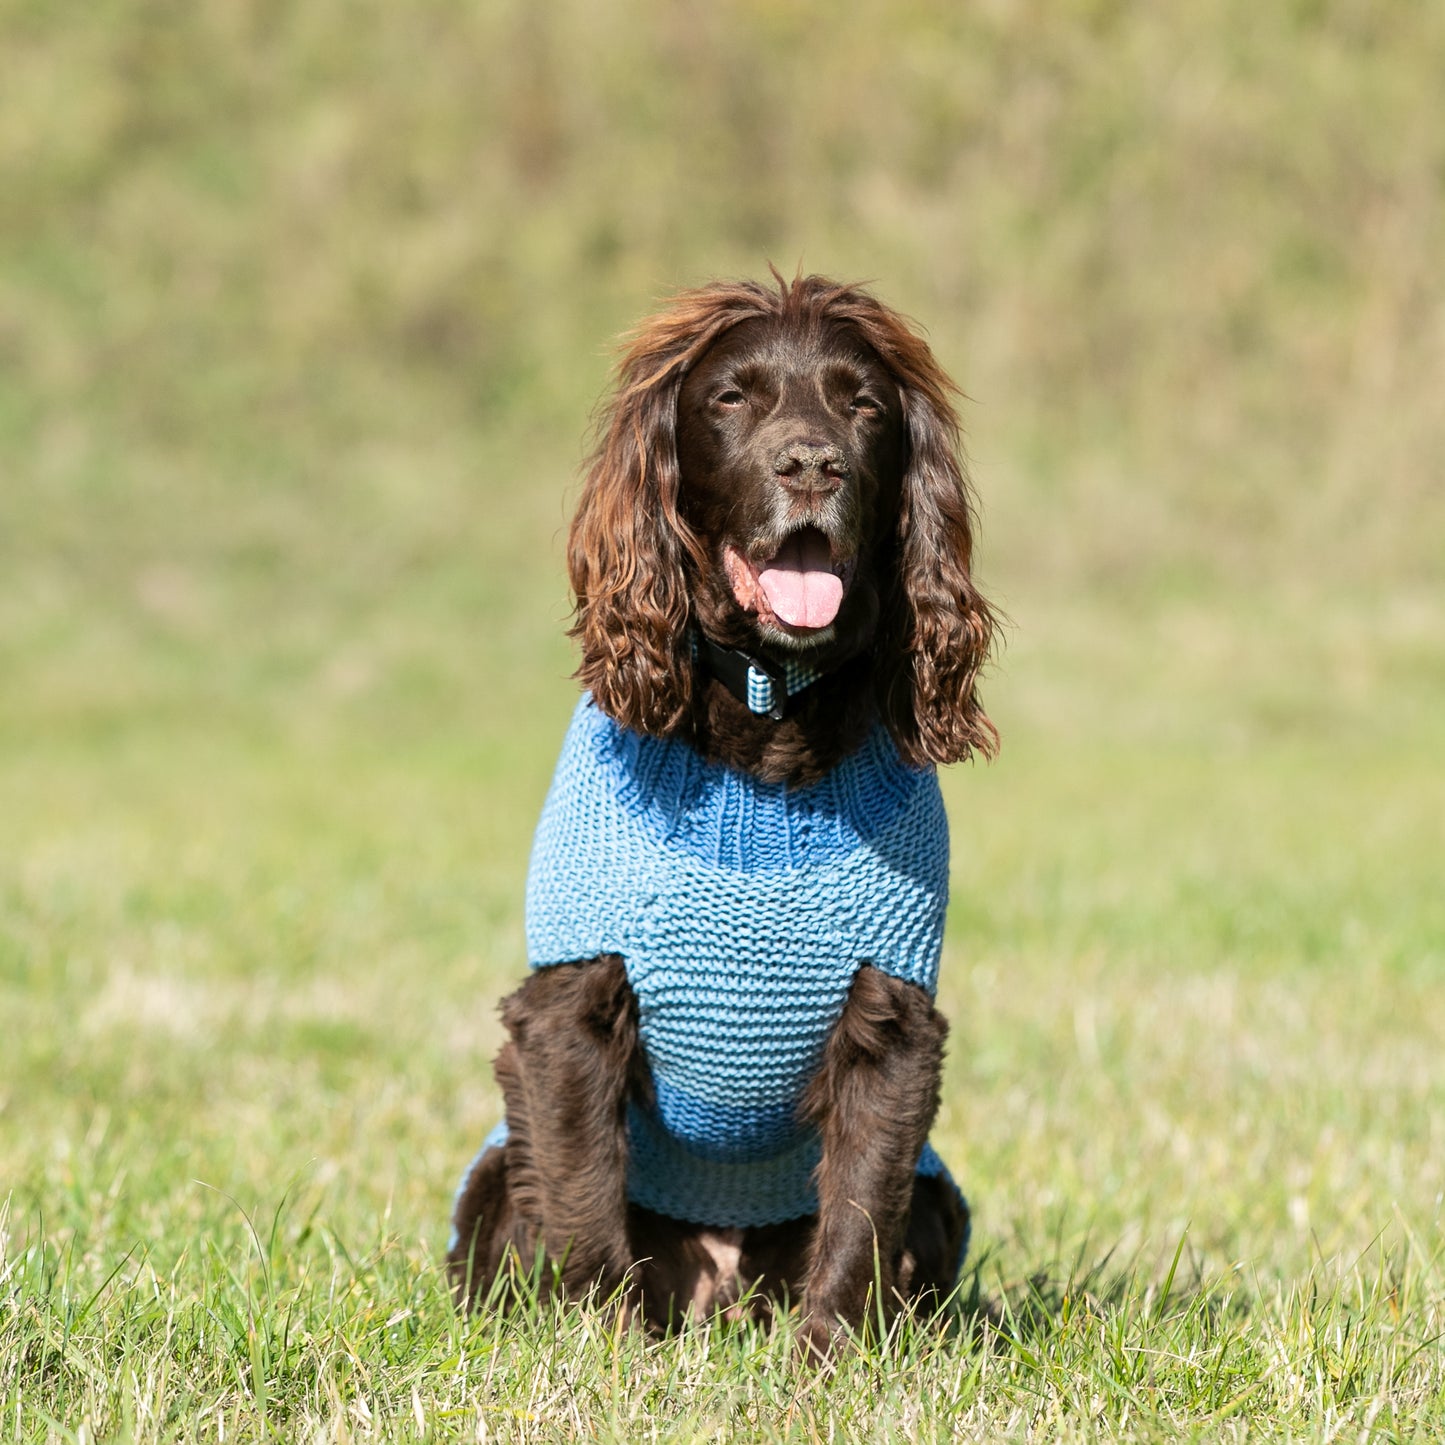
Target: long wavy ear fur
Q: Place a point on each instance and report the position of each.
(936, 628)
(631, 556)
(629, 552)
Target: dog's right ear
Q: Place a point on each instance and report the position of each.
(625, 559)
(630, 553)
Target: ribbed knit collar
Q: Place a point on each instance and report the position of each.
(727, 816)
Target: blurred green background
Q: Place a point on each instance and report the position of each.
(303, 310)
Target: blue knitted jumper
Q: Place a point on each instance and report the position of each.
(742, 910)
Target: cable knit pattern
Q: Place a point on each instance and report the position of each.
(742, 910)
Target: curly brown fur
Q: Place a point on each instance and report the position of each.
(749, 420)
(642, 551)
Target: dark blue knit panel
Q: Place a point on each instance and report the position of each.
(657, 1156)
(743, 910)
(666, 1176)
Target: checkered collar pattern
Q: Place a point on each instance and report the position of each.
(763, 687)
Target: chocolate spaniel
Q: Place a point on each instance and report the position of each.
(721, 1073)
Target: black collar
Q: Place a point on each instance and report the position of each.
(762, 687)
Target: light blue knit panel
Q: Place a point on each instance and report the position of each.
(742, 910)
(646, 850)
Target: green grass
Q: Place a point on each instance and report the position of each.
(1194, 1092)
(301, 314)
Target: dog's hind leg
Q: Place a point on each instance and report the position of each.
(938, 1227)
(490, 1235)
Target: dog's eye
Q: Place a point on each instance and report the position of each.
(864, 405)
(730, 398)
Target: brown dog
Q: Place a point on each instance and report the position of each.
(721, 1074)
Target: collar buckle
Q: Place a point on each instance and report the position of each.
(767, 689)
(762, 687)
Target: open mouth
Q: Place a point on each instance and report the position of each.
(800, 585)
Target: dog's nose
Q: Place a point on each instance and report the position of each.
(807, 466)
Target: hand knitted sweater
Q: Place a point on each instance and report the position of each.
(742, 910)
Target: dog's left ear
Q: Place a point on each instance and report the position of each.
(936, 627)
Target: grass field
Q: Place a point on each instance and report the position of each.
(287, 426)
(253, 936)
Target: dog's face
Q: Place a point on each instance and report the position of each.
(790, 448)
(780, 469)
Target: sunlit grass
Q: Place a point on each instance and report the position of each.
(1193, 1091)
(301, 315)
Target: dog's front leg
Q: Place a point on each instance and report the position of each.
(873, 1101)
(566, 1076)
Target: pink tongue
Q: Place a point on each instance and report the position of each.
(799, 582)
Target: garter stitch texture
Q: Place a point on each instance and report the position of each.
(742, 910)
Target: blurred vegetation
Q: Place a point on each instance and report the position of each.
(302, 309)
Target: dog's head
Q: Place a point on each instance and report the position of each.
(780, 468)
